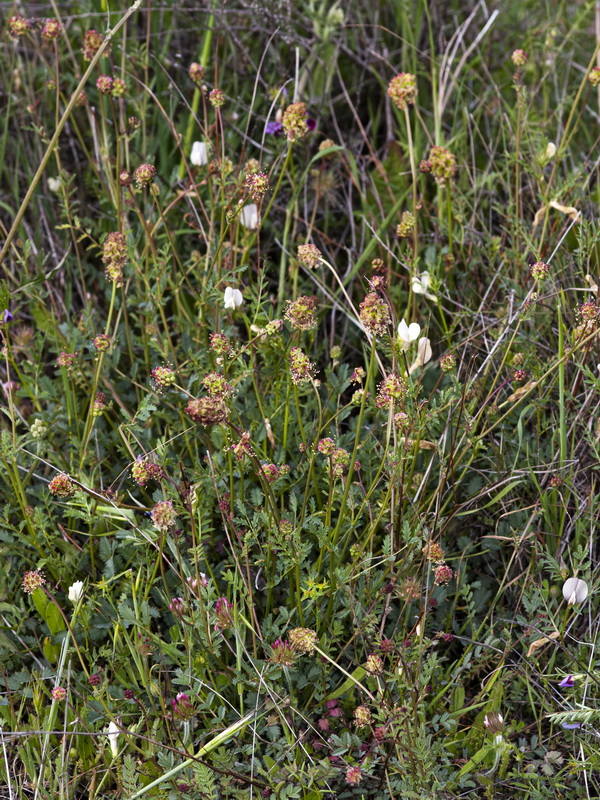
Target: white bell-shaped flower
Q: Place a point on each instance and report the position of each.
(232, 298)
(249, 216)
(575, 591)
(75, 592)
(199, 154)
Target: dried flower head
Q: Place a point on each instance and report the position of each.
(375, 314)
(32, 580)
(208, 411)
(309, 255)
(163, 515)
(294, 121)
(402, 90)
(144, 175)
(62, 486)
(301, 313)
(303, 640)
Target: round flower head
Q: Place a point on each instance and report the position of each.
(353, 776)
(196, 72)
(594, 76)
(144, 175)
(163, 376)
(301, 313)
(402, 90)
(208, 411)
(51, 30)
(61, 486)
(102, 342)
(443, 164)
(309, 255)
(303, 640)
(104, 84)
(59, 694)
(294, 121)
(216, 98)
(257, 184)
(119, 87)
(92, 42)
(18, 26)
(407, 223)
(375, 314)
(519, 58)
(539, 270)
(32, 581)
(163, 515)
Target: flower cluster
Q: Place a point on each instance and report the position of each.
(243, 447)
(144, 175)
(594, 76)
(196, 72)
(114, 256)
(375, 314)
(300, 313)
(539, 270)
(442, 575)
(216, 98)
(223, 614)
(32, 580)
(220, 344)
(447, 362)
(92, 42)
(18, 26)
(100, 404)
(163, 376)
(104, 84)
(101, 342)
(61, 486)
(208, 411)
(303, 640)
(374, 665)
(282, 653)
(66, 360)
(143, 471)
(182, 708)
(216, 385)
(294, 121)
(339, 462)
(257, 184)
(402, 90)
(51, 30)
(59, 694)
(443, 164)
(309, 255)
(163, 515)
(406, 226)
(301, 368)
(362, 716)
(391, 389)
(519, 58)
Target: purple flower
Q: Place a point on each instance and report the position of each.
(571, 725)
(274, 127)
(567, 683)
(7, 316)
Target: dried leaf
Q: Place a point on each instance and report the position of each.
(569, 210)
(520, 392)
(541, 642)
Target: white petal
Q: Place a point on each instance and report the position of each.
(425, 280)
(414, 329)
(403, 331)
(424, 350)
(75, 591)
(228, 298)
(237, 297)
(199, 154)
(417, 286)
(575, 591)
(113, 735)
(249, 216)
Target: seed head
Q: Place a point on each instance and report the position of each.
(309, 255)
(402, 90)
(144, 175)
(61, 486)
(294, 121)
(32, 580)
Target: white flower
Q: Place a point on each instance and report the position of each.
(249, 216)
(423, 355)
(54, 185)
(75, 592)
(113, 735)
(550, 150)
(421, 286)
(199, 155)
(232, 298)
(575, 591)
(408, 333)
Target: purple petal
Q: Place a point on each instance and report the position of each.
(567, 683)
(311, 124)
(274, 127)
(7, 317)
(569, 726)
